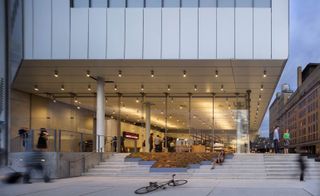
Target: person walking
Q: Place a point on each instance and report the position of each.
(43, 139)
(151, 142)
(286, 139)
(157, 143)
(302, 165)
(276, 139)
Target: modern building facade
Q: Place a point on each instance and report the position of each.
(181, 68)
(300, 112)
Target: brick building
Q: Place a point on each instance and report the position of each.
(299, 110)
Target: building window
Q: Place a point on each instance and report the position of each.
(171, 3)
(99, 3)
(262, 3)
(189, 3)
(225, 3)
(244, 3)
(208, 3)
(153, 3)
(80, 3)
(117, 3)
(135, 3)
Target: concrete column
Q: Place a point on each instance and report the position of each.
(249, 120)
(100, 116)
(147, 117)
(166, 122)
(238, 117)
(213, 96)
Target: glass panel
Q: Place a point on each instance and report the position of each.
(99, 3)
(171, 3)
(80, 3)
(244, 3)
(262, 3)
(225, 3)
(208, 3)
(117, 3)
(189, 3)
(153, 3)
(135, 3)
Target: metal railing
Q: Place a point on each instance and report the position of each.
(61, 141)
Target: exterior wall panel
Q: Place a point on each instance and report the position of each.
(225, 33)
(280, 29)
(262, 33)
(170, 33)
(42, 29)
(28, 29)
(115, 33)
(60, 29)
(79, 33)
(189, 33)
(152, 33)
(244, 33)
(97, 33)
(134, 33)
(207, 33)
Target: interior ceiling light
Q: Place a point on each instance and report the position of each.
(36, 88)
(119, 73)
(261, 88)
(184, 73)
(137, 100)
(264, 73)
(195, 88)
(75, 99)
(162, 112)
(259, 97)
(171, 99)
(169, 87)
(142, 87)
(152, 74)
(115, 87)
(113, 112)
(89, 87)
(62, 87)
(54, 100)
(78, 107)
(180, 107)
(221, 87)
(88, 73)
(56, 73)
(217, 73)
(170, 116)
(229, 107)
(106, 100)
(194, 116)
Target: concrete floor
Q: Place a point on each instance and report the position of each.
(117, 186)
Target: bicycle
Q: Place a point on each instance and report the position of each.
(155, 185)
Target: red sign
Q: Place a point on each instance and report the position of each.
(129, 135)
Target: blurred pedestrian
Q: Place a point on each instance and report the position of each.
(286, 140)
(276, 139)
(35, 161)
(43, 139)
(302, 165)
(151, 142)
(23, 133)
(114, 143)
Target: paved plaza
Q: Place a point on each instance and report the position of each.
(117, 186)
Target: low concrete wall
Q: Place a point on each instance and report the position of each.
(61, 165)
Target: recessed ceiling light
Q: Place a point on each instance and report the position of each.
(54, 100)
(259, 97)
(88, 73)
(217, 73)
(119, 73)
(62, 87)
(78, 107)
(152, 74)
(169, 87)
(36, 88)
(221, 89)
(137, 100)
(56, 73)
(75, 99)
(264, 73)
(89, 87)
(261, 88)
(142, 87)
(184, 73)
(195, 87)
(115, 87)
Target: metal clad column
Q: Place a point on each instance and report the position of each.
(147, 110)
(100, 131)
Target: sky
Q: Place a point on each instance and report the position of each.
(304, 45)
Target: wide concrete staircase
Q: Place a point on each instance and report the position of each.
(240, 166)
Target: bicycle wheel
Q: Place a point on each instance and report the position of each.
(177, 182)
(146, 189)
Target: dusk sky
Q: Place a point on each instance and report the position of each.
(304, 45)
